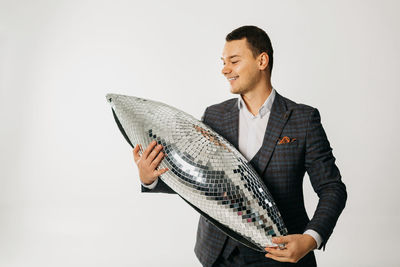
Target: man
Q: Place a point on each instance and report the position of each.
(282, 140)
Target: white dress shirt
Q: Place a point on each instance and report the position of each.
(251, 136)
(252, 128)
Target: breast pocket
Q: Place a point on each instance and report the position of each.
(288, 148)
(287, 157)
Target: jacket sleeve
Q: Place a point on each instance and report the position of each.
(162, 187)
(325, 179)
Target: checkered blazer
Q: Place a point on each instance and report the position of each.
(282, 168)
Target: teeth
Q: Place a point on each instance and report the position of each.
(233, 78)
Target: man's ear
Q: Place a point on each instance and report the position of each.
(263, 61)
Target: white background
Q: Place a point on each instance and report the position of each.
(69, 190)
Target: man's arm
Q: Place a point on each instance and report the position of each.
(325, 179)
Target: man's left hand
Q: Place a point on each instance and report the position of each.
(296, 247)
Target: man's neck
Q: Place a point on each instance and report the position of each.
(254, 99)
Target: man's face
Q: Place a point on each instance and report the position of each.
(240, 67)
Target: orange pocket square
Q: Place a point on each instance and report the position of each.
(285, 140)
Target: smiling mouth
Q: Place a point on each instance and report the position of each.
(233, 78)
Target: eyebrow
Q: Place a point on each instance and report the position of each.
(230, 57)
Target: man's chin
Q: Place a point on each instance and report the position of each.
(235, 91)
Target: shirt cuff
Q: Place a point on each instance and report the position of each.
(152, 185)
(314, 235)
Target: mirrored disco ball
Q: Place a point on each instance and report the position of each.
(204, 169)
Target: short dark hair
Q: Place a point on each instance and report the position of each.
(257, 39)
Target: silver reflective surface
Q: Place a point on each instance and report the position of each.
(204, 169)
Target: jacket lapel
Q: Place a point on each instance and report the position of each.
(231, 122)
(277, 120)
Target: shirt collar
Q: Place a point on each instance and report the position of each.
(264, 108)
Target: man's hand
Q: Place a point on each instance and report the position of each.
(296, 247)
(147, 163)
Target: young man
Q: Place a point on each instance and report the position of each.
(282, 140)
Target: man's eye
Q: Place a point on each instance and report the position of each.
(234, 62)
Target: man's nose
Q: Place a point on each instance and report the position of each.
(225, 70)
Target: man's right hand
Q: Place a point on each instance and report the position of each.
(147, 163)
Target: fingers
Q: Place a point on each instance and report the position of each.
(282, 255)
(154, 153)
(149, 149)
(277, 252)
(281, 239)
(295, 248)
(151, 158)
(157, 160)
(136, 153)
(159, 172)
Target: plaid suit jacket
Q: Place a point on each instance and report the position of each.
(282, 168)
